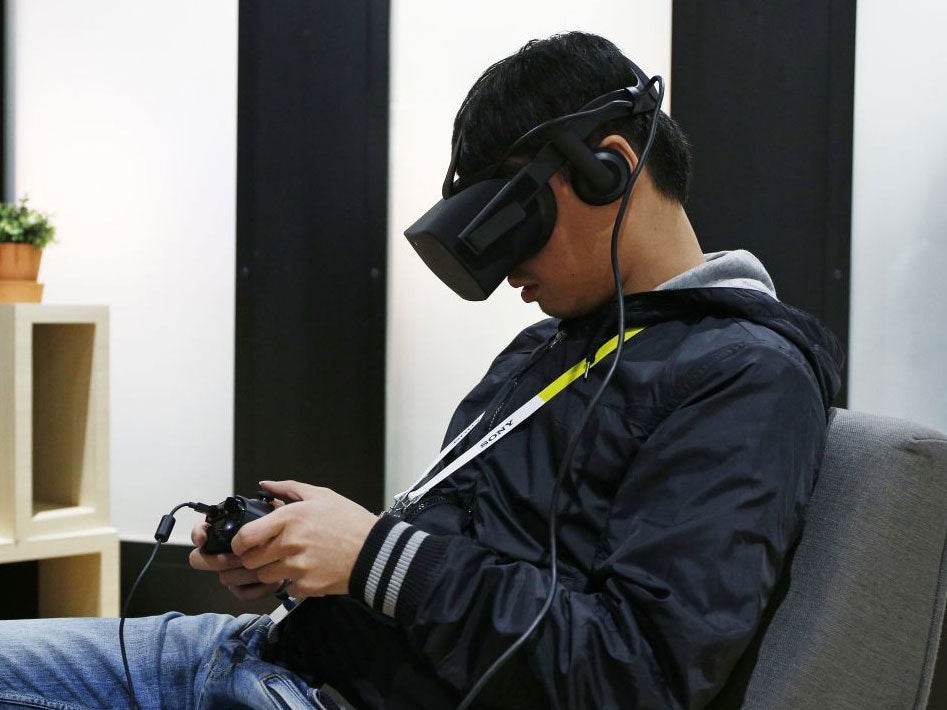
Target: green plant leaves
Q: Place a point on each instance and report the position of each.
(21, 225)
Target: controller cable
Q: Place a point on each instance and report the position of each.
(161, 536)
(574, 440)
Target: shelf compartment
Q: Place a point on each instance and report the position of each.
(62, 378)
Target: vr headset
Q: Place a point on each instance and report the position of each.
(476, 235)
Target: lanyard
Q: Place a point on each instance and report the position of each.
(509, 423)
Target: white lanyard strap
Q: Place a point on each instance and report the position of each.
(509, 423)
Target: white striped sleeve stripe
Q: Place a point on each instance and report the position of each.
(374, 576)
(401, 569)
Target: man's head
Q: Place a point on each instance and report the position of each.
(571, 275)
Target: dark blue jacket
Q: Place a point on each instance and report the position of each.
(686, 491)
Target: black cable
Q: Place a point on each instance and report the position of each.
(573, 441)
(161, 535)
(132, 699)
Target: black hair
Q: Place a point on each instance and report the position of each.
(552, 77)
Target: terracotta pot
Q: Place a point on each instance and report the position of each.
(19, 268)
(19, 262)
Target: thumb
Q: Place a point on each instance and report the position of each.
(289, 491)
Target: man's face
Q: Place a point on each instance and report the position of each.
(572, 274)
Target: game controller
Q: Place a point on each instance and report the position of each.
(226, 518)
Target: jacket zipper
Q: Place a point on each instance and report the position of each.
(514, 383)
(427, 502)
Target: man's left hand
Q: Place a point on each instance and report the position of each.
(314, 542)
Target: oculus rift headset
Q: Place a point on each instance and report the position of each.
(477, 234)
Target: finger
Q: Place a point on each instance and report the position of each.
(238, 577)
(289, 490)
(257, 532)
(252, 592)
(273, 573)
(199, 534)
(263, 554)
(212, 563)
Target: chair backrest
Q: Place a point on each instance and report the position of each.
(862, 606)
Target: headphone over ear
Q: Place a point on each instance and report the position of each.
(619, 172)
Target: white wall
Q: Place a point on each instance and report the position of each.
(123, 126)
(439, 345)
(898, 361)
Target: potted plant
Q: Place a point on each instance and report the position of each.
(23, 235)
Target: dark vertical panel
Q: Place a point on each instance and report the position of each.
(311, 254)
(765, 91)
(840, 111)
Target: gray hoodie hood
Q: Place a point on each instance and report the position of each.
(733, 269)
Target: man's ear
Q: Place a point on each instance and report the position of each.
(621, 144)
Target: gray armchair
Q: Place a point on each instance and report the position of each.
(856, 621)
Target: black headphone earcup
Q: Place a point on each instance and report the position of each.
(617, 165)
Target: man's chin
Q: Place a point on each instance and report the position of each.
(563, 312)
(532, 294)
(551, 310)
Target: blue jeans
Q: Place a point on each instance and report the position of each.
(177, 662)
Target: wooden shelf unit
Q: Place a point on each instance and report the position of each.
(54, 454)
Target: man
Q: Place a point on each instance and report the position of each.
(685, 492)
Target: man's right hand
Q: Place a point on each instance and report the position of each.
(243, 583)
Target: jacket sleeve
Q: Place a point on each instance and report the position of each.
(695, 540)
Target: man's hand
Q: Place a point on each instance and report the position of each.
(243, 583)
(314, 542)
